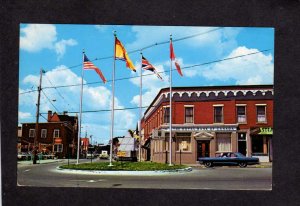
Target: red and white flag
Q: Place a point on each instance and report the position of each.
(172, 57)
(88, 65)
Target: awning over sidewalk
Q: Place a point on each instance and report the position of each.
(261, 131)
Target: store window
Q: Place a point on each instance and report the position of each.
(261, 113)
(189, 114)
(183, 144)
(257, 145)
(31, 132)
(241, 114)
(44, 133)
(56, 133)
(223, 142)
(218, 114)
(58, 148)
(166, 114)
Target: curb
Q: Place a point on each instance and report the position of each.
(125, 172)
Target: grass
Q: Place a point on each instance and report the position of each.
(125, 166)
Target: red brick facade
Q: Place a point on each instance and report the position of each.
(58, 136)
(209, 120)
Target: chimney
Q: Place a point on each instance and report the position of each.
(49, 115)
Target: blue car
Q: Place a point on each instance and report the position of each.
(228, 158)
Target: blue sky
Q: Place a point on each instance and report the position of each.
(58, 50)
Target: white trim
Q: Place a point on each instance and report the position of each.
(189, 106)
(54, 133)
(218, 105)
(260, 104)
(30, 132)
(42, 133)
(241, 105)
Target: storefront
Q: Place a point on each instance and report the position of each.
(261, 143)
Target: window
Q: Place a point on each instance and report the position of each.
(58, 148)
(189, 114)
(56, 133)
(183, 144)
(223, 142)
(166, 114)
(44, 133)
(31, 132)
(218, 114)
(261, 113)
(241, 114)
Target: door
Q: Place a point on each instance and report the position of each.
(203, 148)
(242, 143)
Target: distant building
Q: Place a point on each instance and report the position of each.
(84, 144)
(56, 136)
(209, 120)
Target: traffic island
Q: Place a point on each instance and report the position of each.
(125, 168)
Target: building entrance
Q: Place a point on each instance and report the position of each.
(242, 143)
(203, 148)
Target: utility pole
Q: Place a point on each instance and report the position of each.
(36, 148)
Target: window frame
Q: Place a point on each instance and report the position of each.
(179, 141)
(30, 132)
(265, 113)
(192, 116)
(237, 115)
(54, 133)
(57, 145)
(222, 113)
(43, 133)
(164, 114)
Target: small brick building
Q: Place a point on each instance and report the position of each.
(57, 136)
(209, 120)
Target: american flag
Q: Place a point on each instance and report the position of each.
(147, 66)
(88, 65)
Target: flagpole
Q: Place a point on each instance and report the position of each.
(140, 122)
(170, 126)
(113, 103)
(80, 109)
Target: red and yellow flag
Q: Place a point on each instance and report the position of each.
(121, 54)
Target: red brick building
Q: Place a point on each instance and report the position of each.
(57, 136)
(209, 120)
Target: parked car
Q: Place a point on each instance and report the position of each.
(228, 158)
(24, 156)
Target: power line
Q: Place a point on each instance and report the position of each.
(187, 67)
(49, 101)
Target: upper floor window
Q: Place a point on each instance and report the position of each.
(261, 113)
(241, 114)
(56, 133)
(189, 114)
(218, 114)
(58, 148)
(166, 114)
(31, 132)
(44, 133)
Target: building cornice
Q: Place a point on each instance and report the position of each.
(224, 92)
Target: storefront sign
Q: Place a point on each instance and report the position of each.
(58, 141)
(265, 131)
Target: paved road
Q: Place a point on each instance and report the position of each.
(220, 178)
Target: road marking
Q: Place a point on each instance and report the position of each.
(27, 170)
(90, 181)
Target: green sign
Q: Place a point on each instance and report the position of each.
(265, 130)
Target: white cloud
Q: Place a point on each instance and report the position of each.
(252, 69)
(68, 98)
(36, 37)
(220, 40)
(60, 47)
(24, 115)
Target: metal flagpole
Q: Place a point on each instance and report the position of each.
(140, 122)
(80, 109)
(113, 103)
(170, 126)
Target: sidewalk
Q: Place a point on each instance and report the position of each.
(260, 165)
(29, 162)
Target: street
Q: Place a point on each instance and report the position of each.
(217, 178)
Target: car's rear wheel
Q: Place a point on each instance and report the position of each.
(207, 164)
(243, 164)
